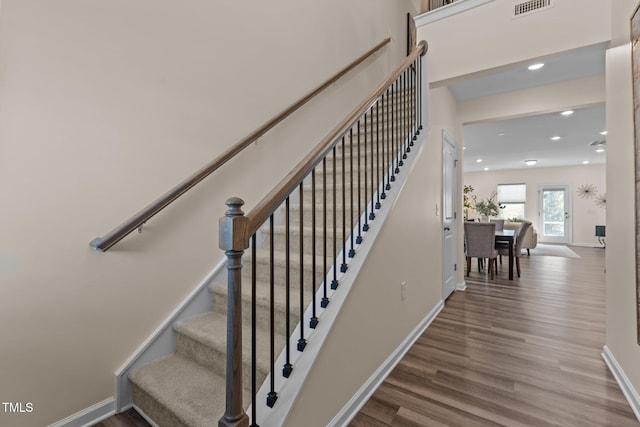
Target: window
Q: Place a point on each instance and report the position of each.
(513, 198)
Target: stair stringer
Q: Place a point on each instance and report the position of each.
(162, 341)
(289, 388)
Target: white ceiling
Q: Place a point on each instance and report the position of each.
(529, 137)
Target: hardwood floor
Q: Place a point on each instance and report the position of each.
(128, 418)
(511, 353)
(504, 353)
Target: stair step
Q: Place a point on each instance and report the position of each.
(279, 241)
(263, 300)
(174, 391)
(294, 213)
(203, 340)
(279, 265)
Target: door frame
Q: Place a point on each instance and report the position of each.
(568, 223)
(449, 218)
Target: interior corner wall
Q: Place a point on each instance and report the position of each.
(586, 214)
(622, 321)
(104, 106)
(488, 47)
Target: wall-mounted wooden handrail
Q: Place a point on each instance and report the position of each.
(261, 212)
(135, 222)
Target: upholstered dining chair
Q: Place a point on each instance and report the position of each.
(499, 224)
(480, 243)
(503, 249)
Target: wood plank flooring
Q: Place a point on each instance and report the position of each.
(128, 418)
(511, 353)
(504, 353)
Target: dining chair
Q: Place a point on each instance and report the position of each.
(503, 249)
(499, 224)
(480, 243)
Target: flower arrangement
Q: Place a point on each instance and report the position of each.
(488, 206)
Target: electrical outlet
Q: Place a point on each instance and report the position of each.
(403, 291)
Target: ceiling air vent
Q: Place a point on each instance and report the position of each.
(601, 143)
(522, 8)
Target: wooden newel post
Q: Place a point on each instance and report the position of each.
(234, 240)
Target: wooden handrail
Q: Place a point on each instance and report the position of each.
(261, 212)
(102, 244)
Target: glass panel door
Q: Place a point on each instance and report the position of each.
(555, 215)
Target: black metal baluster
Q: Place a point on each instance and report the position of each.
(314, 317)
(381, 184)
(352, 251)
(394, 149)
(288, 367)
(254, 378)
(334, 282)
(302, 343)
(400, 124)
(325, 300)
(420, 94)
(413, 103)
(372, 214)
(401, 118)
(365, 227)
(272, 396)
(343, 267)
(407, 132)
(389, 159)
(377, 186)
(359, 239)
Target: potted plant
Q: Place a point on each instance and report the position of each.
(488, 207)
(468, 201)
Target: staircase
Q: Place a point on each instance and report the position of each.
(294, 254)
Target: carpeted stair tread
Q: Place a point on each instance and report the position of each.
(207, 343)
(189, 392)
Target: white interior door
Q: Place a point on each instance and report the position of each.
(449, 222)
(554, 214)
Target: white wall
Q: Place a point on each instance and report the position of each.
(586, 214)
(620, 262)
(480, 44)
(106, 105)
(487, 37)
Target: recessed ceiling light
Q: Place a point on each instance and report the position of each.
(537, 66)
(586, 162)
(604, 132)
(530, 162)
(600, 150)
(486, 169)
(555, 138)
(479, 161)
(567, 113)
(464, 148)
(500, 133)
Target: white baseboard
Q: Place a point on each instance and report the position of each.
(587, 245)
(89, 416)
(623, 381)
(350, 410)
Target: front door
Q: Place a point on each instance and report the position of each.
(449, 207)
(554, 214)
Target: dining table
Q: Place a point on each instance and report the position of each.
(507, 236)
